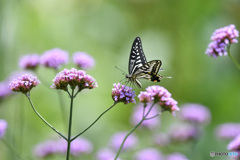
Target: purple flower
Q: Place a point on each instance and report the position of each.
(117, 139)
(24, 83)
(3, 127)
(145, 97)
(176, 156)
(161, 139)
(51, 147)
(221, 39)
(183, 132)
(234, 145)
(78, 146)
(159, 95)
(228, 130)
(73, 78)
(196, 113)
(122, 93)
(45, 149)
(54, 58)
(148, 154)
(30, 61)
(4, 90)
(106, 154)
(83, 60)
(138, 115)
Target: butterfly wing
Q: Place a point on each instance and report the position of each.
(149, 71)
(137, 57)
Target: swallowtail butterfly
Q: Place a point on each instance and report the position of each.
(138, 66)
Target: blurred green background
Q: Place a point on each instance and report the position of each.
(176, 32)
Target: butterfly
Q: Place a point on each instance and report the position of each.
(139, 68)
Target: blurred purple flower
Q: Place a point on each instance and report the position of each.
(4, 90)
(30, 61)
(221, 39)
(78, 146)
(117, 139)
(24, 83)
(83, 60)
(234, 145)
(183, 132)
(176, 156)
(228, 130)
(159, 95)
(122, 93)
(106, 154)
(148, 154)
(138, 115)
(73, 78)
(3, 127)
(196, 113)
(46, 148)
(54, 58)
(161, 139)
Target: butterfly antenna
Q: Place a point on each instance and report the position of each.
(167, 77)
(124, 73)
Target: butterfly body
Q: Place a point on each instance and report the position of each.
(139, 68)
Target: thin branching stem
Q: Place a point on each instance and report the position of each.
(34, 109)
(70, 126)
(94, 121)
(232, 58)
(133, 129)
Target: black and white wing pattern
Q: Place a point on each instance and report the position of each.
(149, 71)
(138, 66)
(137, 57)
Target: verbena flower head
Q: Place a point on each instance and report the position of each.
(122, 93)
(24, 83)
(176, 156)
(183, 132)
(228, 130)
(54, 58)
(148, 154)
(196, 113)
(83, 60)
(106, 154)
(51, 147)
(30, 61)
(3, 127)
(160, 95)
(73, 78)
(234, 145)
(117, 139)
(78, 146)
(221, 39)
(4, 90)
(138, 115)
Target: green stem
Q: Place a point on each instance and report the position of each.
(44, 119)
(233, 59)
(70, 126)
(133, 129)
(94, 121)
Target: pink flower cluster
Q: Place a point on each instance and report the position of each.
(73, 78)
(30, 61)
(83, 60)
(24, 83)
(221, 39)
(159, 95)
(51, 147)
(122, 93)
